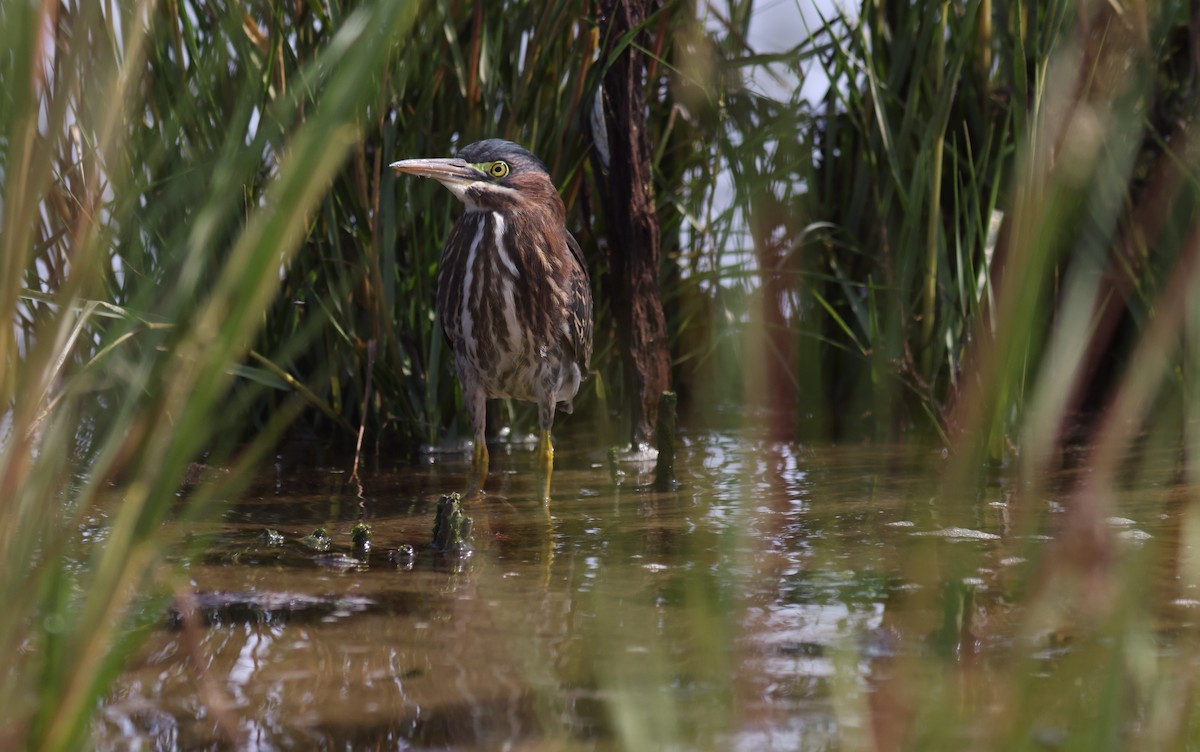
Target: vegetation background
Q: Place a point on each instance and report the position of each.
(981, 232)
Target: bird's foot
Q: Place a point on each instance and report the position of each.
(480, 468)
(546, 449)
(546, 457)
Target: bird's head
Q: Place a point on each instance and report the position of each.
(490, 175)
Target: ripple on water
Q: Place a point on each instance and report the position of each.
(778, 576)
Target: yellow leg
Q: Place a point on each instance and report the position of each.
(547, 543)
(546, 455)
(481, 467)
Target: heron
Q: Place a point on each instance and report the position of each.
(513, 295)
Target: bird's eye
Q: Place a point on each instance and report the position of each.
(498, 169)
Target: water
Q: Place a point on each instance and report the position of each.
(757, 607)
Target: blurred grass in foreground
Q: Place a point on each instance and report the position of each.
(161, 166)
(880, 309)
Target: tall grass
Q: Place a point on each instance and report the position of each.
(985, 235)
(200, 239)
(865, 214)
(851, 231)
(962, 239)
(466, 71)
(1073, 333)
(162, 164)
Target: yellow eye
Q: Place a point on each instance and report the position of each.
(498, 169)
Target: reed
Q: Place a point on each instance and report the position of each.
(161, 165)
(981, 234)
(986, 239)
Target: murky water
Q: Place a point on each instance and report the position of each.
(745, 610)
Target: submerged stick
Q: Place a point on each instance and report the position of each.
(664, 469)
(451, 528)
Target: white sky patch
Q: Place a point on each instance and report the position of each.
(780, 26)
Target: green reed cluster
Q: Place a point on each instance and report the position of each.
(971, 221)
(161, 164)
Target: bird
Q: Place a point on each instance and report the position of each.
(513, 296)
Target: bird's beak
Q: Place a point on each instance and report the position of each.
(448, 172)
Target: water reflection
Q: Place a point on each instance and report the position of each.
(758, 606)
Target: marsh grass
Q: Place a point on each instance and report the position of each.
(1068, 338)
(161, 167)
(200, 243)
(983, 236)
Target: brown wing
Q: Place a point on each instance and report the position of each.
(581, 307)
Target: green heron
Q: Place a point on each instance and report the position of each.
(513, 293)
